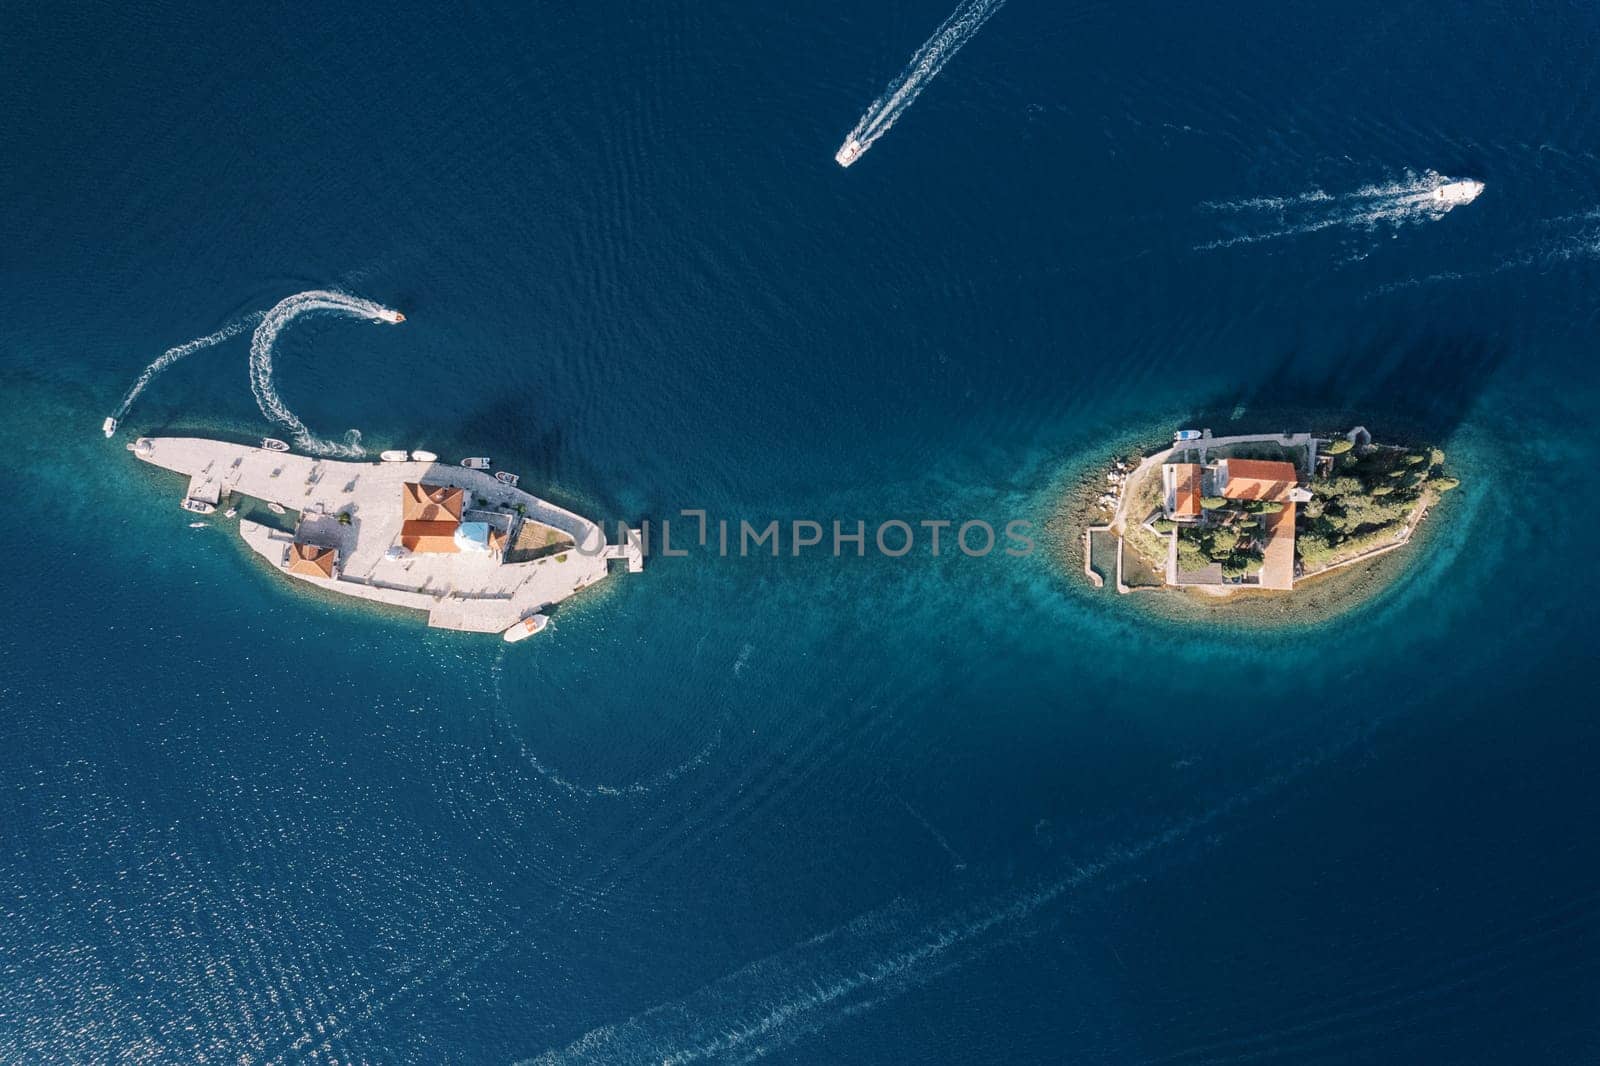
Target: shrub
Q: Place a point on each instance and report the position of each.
(1444, 483)
(1223, 542)
(1339, 447)
(344, 518)
(1212, 503)
(561, 558)
(1163, 525)
(1270, 507)
(1416, 457)
(1191, 556)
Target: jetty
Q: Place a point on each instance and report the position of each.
(470, 552)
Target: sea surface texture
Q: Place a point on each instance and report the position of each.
(798, 810)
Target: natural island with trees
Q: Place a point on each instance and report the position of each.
(1219, 515)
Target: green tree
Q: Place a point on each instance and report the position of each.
(1213, 503)
(1339, 447)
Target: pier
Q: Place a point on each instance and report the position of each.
(355, 508)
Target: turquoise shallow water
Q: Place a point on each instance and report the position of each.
(809, 810)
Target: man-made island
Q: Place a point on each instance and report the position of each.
(471, 551)
(1220, 515)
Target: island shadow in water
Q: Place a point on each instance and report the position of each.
(1421, 391)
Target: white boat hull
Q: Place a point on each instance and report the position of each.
(525, 628)
(108, 427)
(424, 457)
(394, 456)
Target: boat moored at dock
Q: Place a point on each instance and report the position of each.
(198, 506)
(506, 478)
(477, 462)
(424, 457)
(395, 456)
(273, 444)
(525, 628)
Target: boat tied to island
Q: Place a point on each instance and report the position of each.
(525, 628)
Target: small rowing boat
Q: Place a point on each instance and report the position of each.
(396, 456)
(424, 457)
(505, 479)
(273, 444)
(476, 462)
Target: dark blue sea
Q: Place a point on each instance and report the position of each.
(799, 810)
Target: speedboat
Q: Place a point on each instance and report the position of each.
(198, 506)
(109, 426)
(1186, 435)
(477, 462)
(1456, 193)
(526, 628)
(849, 152)
(273, 444)
(232, 512)
(383, 314)
(198, 525)
(424, 457)
(396, 456)
(505, 478)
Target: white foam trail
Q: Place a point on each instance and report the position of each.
(181, 351)
(266, 335)
(1369, 207)
(946, 41)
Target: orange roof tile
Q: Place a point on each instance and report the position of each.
(429, 537)
(421, 502)
(311, 560)
(1186, 489)
(1258, 479)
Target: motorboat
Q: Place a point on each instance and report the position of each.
(108, 427)
(198, 525)
(1456, 193)
(395, 456)
(849, 152)
(384, 314)
(525, 628)
(232, 512)
(197, 506)
(276, 508)
(1187, 435)
(273, 444)
(505, 479)
(477, 462)
(424, 457)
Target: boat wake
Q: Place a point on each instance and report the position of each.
(265, 337)
(1416, 199)
(181, 351)
(776, 1001)
(946, 41)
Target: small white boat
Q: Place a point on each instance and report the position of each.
(198, 525)
(396, 456)
(424, 457)
(505, 478)
(1456, 193)
(476, 462)
(273, 444)
(526, 628)
(232, 512)
(383, 314)
(1187, 435)
(276, 508)
(849, 152)
(198, 506)
(109, 426)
